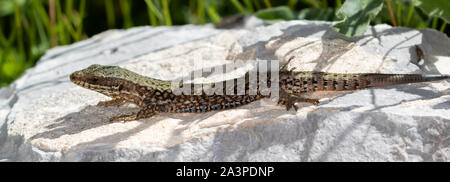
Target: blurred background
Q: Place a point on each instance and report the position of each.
(30, 27)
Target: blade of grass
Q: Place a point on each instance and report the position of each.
(292, 3)
(212, 13)
(434, 22)
(193, 8)
(267, 3)
(43, 16)
(167, 19)
(201, 12)
(29, 29)
(239, 6)
(151, 15)
(68, 9)
(444, 24)
(399, 13)
(18, 24)
(410, 14)
(60, 24)
(32, 49)
(69, 28)
(79, 27)
(110, 15)
(67, 21)
(126, 13)
(39, 24)
(249, 6)
(338, 4)
(155, 10)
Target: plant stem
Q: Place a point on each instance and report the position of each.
(51, 9)
(165, 5)
(394, 23)
(110, 16)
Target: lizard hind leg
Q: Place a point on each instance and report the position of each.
(113, 102)
(133, 116)
(125, 117)
(145, 112)
(289, 100)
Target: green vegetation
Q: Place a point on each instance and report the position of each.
(30, 27)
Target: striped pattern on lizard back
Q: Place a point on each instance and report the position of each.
(156, 95)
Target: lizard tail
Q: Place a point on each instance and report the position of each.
(393, 79)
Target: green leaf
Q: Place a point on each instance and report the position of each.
(355, 16)
(323, 14)
(277, 13)
(438, 8)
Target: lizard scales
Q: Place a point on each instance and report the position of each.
(299, 82)
(155, 96)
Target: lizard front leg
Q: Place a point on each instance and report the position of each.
(113, 102)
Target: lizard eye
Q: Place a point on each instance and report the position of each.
(120, 87)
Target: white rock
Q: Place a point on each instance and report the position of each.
(44, 117)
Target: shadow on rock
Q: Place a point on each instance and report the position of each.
(85, 119)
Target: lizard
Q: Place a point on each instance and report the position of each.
(155, 96)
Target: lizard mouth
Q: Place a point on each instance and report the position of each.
(83, 81)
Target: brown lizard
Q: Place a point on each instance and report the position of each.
(154, 96)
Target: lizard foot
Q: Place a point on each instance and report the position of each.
(114, 102)
(283, 67)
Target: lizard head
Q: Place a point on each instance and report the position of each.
(108, 80)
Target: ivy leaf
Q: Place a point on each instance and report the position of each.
(355, 16)
(439, 8)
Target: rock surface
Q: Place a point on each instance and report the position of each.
(44, 117)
